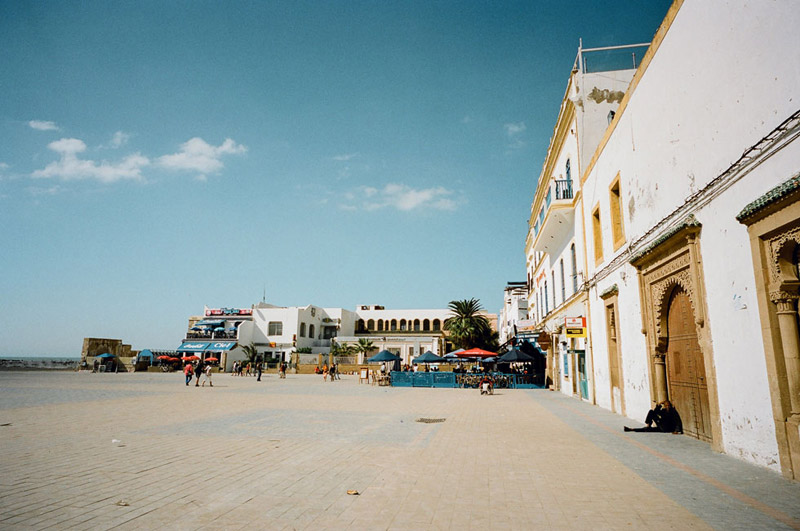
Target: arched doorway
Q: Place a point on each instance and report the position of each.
(686, 370)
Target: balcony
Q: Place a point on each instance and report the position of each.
(563, 189)
(555, 221)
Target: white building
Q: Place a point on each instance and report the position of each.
(406, 333)
(554, 246)
(277, 332)
(514, 310)
(691, 215)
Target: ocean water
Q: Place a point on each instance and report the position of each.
(39, 362)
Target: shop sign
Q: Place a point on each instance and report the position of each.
(229, 311)
(525, 325)
(544, 340)
(575, 326)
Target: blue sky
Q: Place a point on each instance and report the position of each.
(159, 156)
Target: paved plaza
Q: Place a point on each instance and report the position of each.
(143, 451)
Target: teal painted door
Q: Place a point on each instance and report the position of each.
(583, 380)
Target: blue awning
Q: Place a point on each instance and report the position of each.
(193, 346)
(220, 346)
(210, 322)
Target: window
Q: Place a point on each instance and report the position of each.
(597, 230)
(302, 330)
(275, 328)
(311, 331)
(402, 324)
(546, 309)
(380, 325)
(553, 280)
(574, 268)
(371, 324)
(416, 325)
(563, 284)
(437, 325)
(394, 325)
(611, 115)
(426, 325)
(568, 170)
(615, 207)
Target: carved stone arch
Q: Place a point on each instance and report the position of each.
(783, 254)
(662, 293)
(672, 264)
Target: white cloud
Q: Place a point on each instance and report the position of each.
(53, 190)
(198, 155)
(515, 131)
(40, 125)
(119, 139)
(404, 198)
(345, 157)
(70, 167)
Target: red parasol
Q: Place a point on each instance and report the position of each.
(475, 353)
(190, 358)
(212, 359)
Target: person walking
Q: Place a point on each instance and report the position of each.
(235, 369)
(198, 371)
(207, 374)
(259, 369)
(188, 372)
(325, 373)
(283, 370)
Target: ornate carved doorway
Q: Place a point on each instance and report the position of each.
(686, 371)
(678, 337)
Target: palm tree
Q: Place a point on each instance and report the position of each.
(365, 346)
(467, 327)
(251, 352)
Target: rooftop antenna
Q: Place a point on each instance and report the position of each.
(264, 296)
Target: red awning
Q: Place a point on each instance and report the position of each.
(475, 353)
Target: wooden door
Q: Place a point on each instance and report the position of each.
(686, 371)
(615, 372)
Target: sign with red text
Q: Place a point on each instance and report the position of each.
(575, 326)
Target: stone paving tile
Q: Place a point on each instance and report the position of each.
(281, 454)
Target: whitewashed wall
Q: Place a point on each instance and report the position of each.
(725, 75)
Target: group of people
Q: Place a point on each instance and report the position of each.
(325, 371)
(242, 369)
(198, 369)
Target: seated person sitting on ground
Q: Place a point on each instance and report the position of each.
(664, 416)
(489, 384)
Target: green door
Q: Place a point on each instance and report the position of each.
(583, 380)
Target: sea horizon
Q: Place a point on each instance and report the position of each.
(39, 357)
